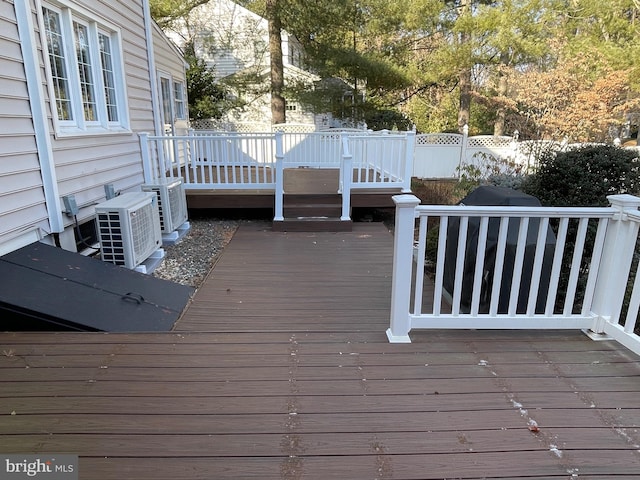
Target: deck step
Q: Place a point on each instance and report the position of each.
(314, 212)
(312, 206)
(313, 224)
(321, 210)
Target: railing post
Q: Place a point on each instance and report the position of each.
(279, 200)
(408, 162)
(400, 324)
(346, 177)
(615, 263)
(147, 168)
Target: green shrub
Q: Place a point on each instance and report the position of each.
(584, 177)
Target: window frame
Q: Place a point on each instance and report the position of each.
(70, 17)
(167, 105)
(179, 100)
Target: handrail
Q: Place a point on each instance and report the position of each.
(591, 248)
(514, 211)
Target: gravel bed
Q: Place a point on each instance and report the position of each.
(188, 262)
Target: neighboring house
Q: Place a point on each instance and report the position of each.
(78, 83)
(234, 41)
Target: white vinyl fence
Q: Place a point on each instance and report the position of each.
(442, 155)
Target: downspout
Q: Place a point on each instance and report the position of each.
(155, 99)
(39, 114)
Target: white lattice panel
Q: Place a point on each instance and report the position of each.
(208, 124)
(294, 128)
(489, 141)
(439, 139)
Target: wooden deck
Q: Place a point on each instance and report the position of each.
(296, 181)
(280, 369)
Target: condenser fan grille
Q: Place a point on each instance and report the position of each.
(142, 230)
(111, 240)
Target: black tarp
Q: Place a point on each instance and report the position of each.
(498, 196)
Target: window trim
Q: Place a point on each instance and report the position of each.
(167, 105)
(176, 109)
(69, 15)
(180, 107)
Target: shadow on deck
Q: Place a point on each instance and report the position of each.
(280, 369)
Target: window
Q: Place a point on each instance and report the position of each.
(178, 89)
(172, 94)
(86, 72)
(108, 77)
(60, 79)
(167, 107)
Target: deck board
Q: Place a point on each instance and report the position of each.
(319, 287)
(280, 369)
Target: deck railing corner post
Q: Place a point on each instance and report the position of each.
(347, 175)
(147, 168)
(400, 322)
(409, 160)
(615, 263)
(278, 215)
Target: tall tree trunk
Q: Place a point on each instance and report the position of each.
(464, 111)
(464, 79)
(278, 114)
(501, 112)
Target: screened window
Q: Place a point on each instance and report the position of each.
(86, 73)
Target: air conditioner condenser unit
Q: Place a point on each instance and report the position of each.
(172, 203)
(129, 228)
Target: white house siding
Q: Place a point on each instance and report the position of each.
(40, 163)
(85, 163)
(232, 38)
(22, 202)
(229, 37)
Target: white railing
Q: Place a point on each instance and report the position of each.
(516, 268)
(213, 161)
(382, 161)
(300, 148)
(314, 150)
(217, 160)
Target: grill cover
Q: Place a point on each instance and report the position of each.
(498, 196)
